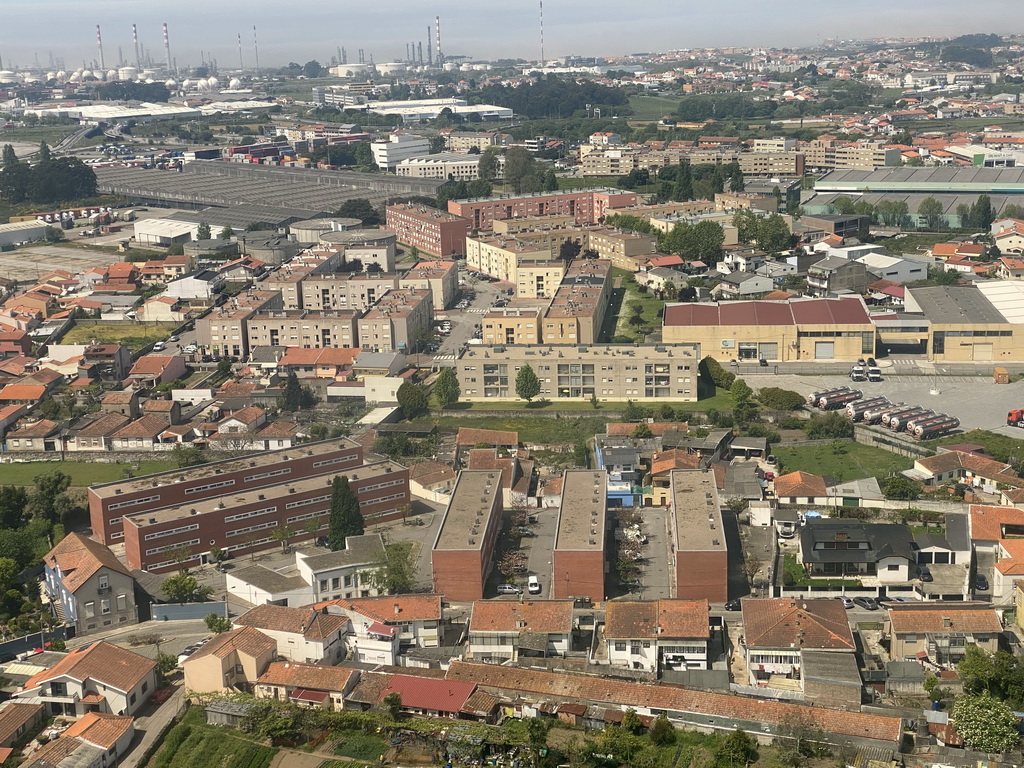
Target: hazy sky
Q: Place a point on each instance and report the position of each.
(315, 28)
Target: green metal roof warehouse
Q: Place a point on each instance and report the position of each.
(942, 180)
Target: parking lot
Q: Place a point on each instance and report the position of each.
(464, 321)
(975, 400)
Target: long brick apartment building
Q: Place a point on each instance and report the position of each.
(110, 502)
(463, 551)
(245, 521)
(434, 232)
(578, 560)
(585, 206)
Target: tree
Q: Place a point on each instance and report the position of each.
(662, 732)
(53, 234)
(521, 170)
(294, 396)
(736, 749)
(580, 455)
(899, 487)
(711, 369)
(487, 168)
(931, 210)
(832, 425)
(217, 624)
(362, 209)
(527, 384)
(743, 408)
(446, 388)
(15, 176)
(642, 431)
(49, 487)
(345, 518)
(779, 399)
(45, 155)
(985, 724)
(13, 501)
(184, 588)
(226, 234)
(773, 234)
(393, 703)
(569, 249)
(187, 455)
(683, 189)
(165, 664)
(312, 69)
(203, 231)
(395, 572)
(283, 535)
(412, 400)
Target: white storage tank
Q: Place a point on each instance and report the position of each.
(127, 73)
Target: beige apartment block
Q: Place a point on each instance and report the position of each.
(731, 201)
(620, 247)
(499, 256)
(456, 141)
(397, 322)
(324, 293)
(666, 372)
(539, 279)
(533, 224)
(512, 325)
(577, 311)
(301, 328)
(224, 331)
(441, 278)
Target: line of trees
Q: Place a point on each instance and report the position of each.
(48, 180)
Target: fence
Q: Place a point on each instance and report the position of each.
(890, 442)
(35, 640)
(187, 611)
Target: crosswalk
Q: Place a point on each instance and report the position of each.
(444, 358)
(902, 361)
(477, 311)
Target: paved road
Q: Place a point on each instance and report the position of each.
(465, 321)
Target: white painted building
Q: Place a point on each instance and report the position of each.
(398, 147)
(657, 634)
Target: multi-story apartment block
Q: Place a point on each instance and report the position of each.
(444, 165)
(500, 256)
(578, 558)
(109, 502)
(576, 312)
(610, 162)
(624, 249)
(532, 224)
(398, 147)
(585, 206)
(538, 279)
(512, 325)
(838, 155)
(397, 322)
(433, 232)
(463, 551)
(609, 372)
(245, 521)
(441, 278)
(223, 332)
(698, 537)
(461, 141)
(771, 163)
(345, 290)
(299, 328)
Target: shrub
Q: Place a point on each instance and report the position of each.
(711, 369)
(779, 399)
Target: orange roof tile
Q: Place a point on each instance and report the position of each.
(100, 729)
(787, 623)
(799, 483)
(247, 641)
(79, 558)
(944, 617)
(298, 675)
(100, 661)
(529, 616)
(392, 608)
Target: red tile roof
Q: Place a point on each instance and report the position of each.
(100, 729)
(799, 483)
(944, 617)
(843, 311)
(428, 693)
(790, 623)
(100, 661)
(471, 436)
(580, 688)
(551, 616)
(246, 640)
(296, 675)
(628, 619)
(988, 522)
(392, 608)
(79, 558)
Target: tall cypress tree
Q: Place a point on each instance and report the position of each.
(345, 518)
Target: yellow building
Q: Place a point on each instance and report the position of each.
(499, 256)
(964, 323)
(777, 331)
(532, 224)
(512, 325)
(538, 279)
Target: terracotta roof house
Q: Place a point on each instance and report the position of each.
(231, 661)
(508, 630)
(942, 632)
(154, 370)
(310, 685)
(305, 635)
(780, 630)
(961, 467)
(469, 437)
(89, 587)
(17, 720)
(39, 435)
(657, 634)
(143, 434)
(720, 711)
(98, 677)
(432, 480)
(381, 627)
(800, 488)
(429, 697)
(94, 432)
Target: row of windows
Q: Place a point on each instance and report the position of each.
(253, 513)
(304, 502)
(209, 487)
(381, 500)
(251, 528)
(387, 484)
(976, 334)
(774, 658)
(169, 547)
(265, 475)
(173, 531)
(134, 502)
(166, 563)
(306, 516)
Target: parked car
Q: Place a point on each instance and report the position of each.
(533, 585)
(847, 602)
(769, 476)
(508, 589)
(771, 458)
(924, 574)
(980, 582)
(868, 603)
(733, 605)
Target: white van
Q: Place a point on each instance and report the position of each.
(533, 585)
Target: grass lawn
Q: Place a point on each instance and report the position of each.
(360, 746)
(51, 134)
(132, 335)
(855, 462)
(914, 242)
(194, 744)
(719, 399)
(651, 305)
(83, 473)
(652, 107)
(794, 575)
(531, 429)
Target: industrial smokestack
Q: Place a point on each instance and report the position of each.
(167, 49)
(99, 44)
(440, 56)
(542, 33)
(135, 40)
(256, 44)
(430, 51)
(241, 65)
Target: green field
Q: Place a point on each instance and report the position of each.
(83, 473)
(51, 134)
(194, 744)
(914, 242)
(360, 746)
(652, 307)
(133, 335)
(999, 447)
(855, 462)
(652, 107)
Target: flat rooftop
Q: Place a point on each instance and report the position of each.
(397, 303)
(468, 509)
(270, 494)
(581, 515)
(215, 468)
(587, 353)
(943, 304)
(423, 212)
(697, 510)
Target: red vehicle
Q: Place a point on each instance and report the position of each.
(1015, 418)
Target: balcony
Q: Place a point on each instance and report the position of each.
(104, 590)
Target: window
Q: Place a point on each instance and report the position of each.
(90, 609)
(620, 645)
(634, 648)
